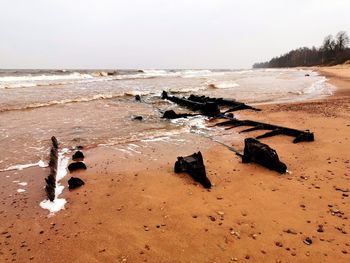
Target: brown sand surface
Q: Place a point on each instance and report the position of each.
(135, 209)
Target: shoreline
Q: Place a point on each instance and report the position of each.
(135, 209)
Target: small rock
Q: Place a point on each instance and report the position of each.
(290, 231)
(320, 229)
(220, 213)
(244, 213)
(212, 218)
(279, 244)
(308, 241)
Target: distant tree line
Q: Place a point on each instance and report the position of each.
(333, 51)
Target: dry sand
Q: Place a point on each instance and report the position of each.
(135, 210)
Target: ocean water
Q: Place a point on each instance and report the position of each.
(94, 107)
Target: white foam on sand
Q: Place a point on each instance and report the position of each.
(20, 190)
(24, 166)
(58, 203)
(23, 183)
(320, 87)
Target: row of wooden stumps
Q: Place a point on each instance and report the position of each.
(77, 164)
(254, 150)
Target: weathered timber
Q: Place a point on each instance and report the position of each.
(260, 153)
(138, 118)
(78, 156)
(76, 166)
(194, 166)
(299, 136)
(75, 182)
(208, 108)
(235, 105)
(170, 114)
(54, 142)
(51, 178)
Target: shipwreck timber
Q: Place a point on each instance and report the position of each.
(51, 178)
(209, 109)
(194, 166)
(260, 153)
(299, 136)
(235, 105)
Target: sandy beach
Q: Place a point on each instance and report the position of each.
(136, 210)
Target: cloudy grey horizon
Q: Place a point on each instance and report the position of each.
(156, 34)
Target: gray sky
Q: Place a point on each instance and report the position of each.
(161, 33)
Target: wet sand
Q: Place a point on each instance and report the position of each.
(133, 208)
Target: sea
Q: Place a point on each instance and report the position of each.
(92, 108)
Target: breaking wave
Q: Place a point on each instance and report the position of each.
(75, 100)
(320, 87)
(223, 85)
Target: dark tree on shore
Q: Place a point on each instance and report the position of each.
(333, 51)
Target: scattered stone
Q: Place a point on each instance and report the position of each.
(344, 190)
(279, 244)
(212, 218)
(308, 241)
(290, 231)
(220, 213)
(236, 234)
(320, 229)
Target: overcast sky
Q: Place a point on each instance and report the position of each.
(161, 33)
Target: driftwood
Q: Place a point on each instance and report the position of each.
(235, 105)
(260, 153)
(299, 135)
(51, 178)
(208, 108)
(194, 166)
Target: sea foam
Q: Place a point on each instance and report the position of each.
(58, 203)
